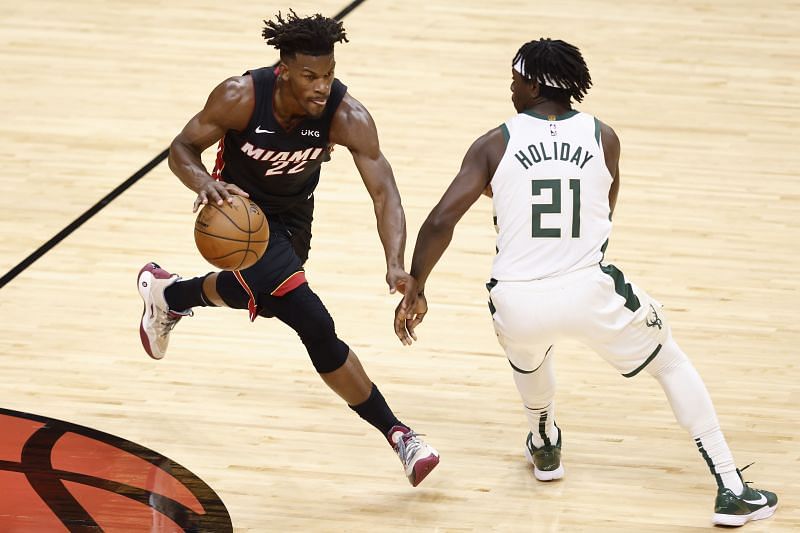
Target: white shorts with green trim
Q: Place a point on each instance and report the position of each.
(594, 305)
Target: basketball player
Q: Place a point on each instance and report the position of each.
(275, 127)
(553, 174)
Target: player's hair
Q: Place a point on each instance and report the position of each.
(559, 62)
(314, 35)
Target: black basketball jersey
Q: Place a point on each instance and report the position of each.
(279, 169)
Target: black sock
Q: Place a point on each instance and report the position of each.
(376, 411)
(185, 294)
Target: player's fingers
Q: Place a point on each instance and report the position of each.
(411, 302)
(201, 199)
(213, 196)
(400, 328)
(236, 190)
(400, 286)
(414, 322)
(224, 194)
(399, 322)
(410, 328)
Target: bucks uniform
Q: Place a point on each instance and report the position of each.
(550, 194)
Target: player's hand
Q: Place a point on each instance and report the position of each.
(409, 314)
(218, 192)
(398, 280)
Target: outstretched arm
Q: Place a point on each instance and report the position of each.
(354, 128)
(229, 106)
(477, 169)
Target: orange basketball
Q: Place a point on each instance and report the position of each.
(232, 236)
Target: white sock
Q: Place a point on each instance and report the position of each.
(537, 391)
(691, 404)
(544, 431)
(718, 456)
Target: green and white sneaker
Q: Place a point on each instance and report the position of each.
(751, 504)
(546, 460)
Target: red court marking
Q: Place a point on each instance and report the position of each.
(76, 453)
(22, 510)
(14, 432)
(117, 514)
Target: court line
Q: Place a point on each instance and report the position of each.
(125, 185)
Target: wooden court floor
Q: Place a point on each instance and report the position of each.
(704, 97)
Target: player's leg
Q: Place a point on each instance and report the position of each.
(167, 297)
(632, 333)
(521, 329)
(736, 503)
(302, 310)
(537, 388)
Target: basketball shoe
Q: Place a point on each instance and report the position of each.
(546, 460)
(157, 318)
(751, 504)
(417, 457)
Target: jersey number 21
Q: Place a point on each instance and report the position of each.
(554, 185)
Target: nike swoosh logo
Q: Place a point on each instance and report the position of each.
(760, 501)
(259, 130)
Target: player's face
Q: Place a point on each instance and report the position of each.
(520, 92)
(310, 79)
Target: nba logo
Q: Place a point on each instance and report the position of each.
(553, 131)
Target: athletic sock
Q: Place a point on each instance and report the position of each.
(537, 390)
(185, 294)
(719, 459)
(544, 431)
(691, 404)
(376, 412)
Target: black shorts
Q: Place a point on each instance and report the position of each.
(296, 223)
(279, 270)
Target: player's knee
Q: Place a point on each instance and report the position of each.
(318, 333)
(669, 356)
(230, 291)
(314, 325)
(326, 350)
(209, 290)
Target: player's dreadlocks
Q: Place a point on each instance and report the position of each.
(314, 35)
(557, 66)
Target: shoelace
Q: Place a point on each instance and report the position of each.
(747, 483)
(171, 319)
(169, 323)
(408, 445)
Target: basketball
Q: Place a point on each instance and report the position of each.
(232, 236)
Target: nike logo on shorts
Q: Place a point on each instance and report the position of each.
(259, 130)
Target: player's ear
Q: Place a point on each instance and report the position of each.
(283, 71)
(534, 88)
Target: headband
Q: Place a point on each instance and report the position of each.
(544, 79)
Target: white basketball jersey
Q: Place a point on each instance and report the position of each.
(550, 194)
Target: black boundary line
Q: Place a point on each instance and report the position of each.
(125, 185)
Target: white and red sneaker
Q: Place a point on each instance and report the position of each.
(418, 458)
(157, 319)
